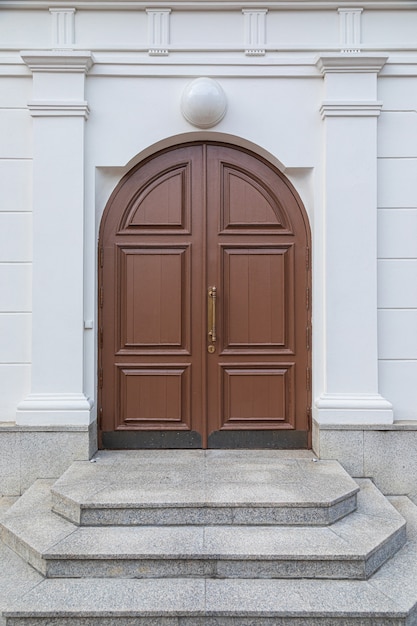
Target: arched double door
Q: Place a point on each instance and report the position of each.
(204, 304)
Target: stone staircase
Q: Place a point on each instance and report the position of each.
(213, 538)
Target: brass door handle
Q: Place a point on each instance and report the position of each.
(211, 317)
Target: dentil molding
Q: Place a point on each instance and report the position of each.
(63, 27)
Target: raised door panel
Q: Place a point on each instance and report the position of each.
(161, 203)
(257, 397)
(245, 201)
(258, 299)
(154, 304)
(154, 397)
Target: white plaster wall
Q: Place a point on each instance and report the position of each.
(306, 30)
(134, 104)
(389, 28)
(397, 244)
(29, 29)
(15, 243)
(109, 29)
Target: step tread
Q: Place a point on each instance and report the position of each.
(202, 479)
(390, 594)
(103, 597)
(357, 544)
(356, 535)
(389, 597)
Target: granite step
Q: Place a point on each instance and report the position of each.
(388, 598)
(202, 487)
(384, 595)
(352, 548)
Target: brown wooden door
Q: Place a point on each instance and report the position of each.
(185, 221)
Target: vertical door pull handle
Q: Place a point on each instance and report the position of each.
(211, 316)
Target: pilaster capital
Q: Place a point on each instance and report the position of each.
(54, 108)
(350, 109)
(350, 63)
(79, 61)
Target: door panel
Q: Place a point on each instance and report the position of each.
(256, 246)
(157, 397)
(154, 310)
(245, 202)
(255, 397)
(186, 220)
(150, 325)
(162, 203)
(258, 311)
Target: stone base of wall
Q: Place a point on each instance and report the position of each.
(387, 454)
(31, 452)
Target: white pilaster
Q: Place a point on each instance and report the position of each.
(158, 31)
(255, 31)
(350, 111)
(59, 112)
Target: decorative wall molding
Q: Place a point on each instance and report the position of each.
(328, 63)
(214, 5)
(58, 109)
(255, 31)
(350, 30)
(53, 409)
(338, 409)
(63, 27)
(58, 61)
(158, 31)
(350, 109)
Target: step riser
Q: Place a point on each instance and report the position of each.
(358, 569)
(306, 620)
(225, 551)
(206, 516)
(211, 556)
(207, 569)
(204, 487)
(26, 552)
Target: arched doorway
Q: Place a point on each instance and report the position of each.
(204, 304)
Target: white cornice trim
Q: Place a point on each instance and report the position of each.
(345, 62)
(58, 60)
(215, 5)
(52, 108)
(350, 109)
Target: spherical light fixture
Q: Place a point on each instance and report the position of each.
(203, 103)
